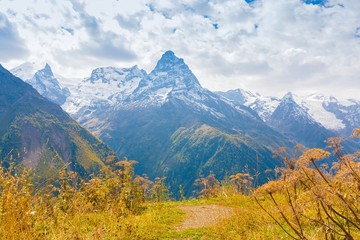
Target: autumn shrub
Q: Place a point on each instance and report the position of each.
(207, 186)
(310, 197)
(16, 209)
(29, 211)
(242, 183)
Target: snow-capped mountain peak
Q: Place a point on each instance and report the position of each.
(171, 71)
(48, 86)
(168, 60)
(288, 97)
(171, 78)
(47, 70)
(289, 108)
(26, 70)
(44, 75)
(43, 81)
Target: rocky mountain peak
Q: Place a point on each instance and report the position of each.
(167, 60)
(48, 86)
(47, 69)
(288, 97)
(288, 108)
(172, 72)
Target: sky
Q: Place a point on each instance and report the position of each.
(266, 46)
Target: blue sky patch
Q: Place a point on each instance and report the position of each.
(216, 26)
(315, 2)
(151, 7)
(69, 30)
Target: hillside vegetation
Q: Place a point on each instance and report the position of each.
(39, 135)
(308, 200)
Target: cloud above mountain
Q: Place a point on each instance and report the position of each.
(264, 45)
(11, 44)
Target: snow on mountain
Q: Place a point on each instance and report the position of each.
(290, 109)
(43, 81)
(348, 102)
(264, 106)
(314, 104)
(240, 96)
(335, 115)
(106, 85)
(292, 119)
(170, 78)
(69, 83)
(173, 80)
(26, 70)
(346, 110)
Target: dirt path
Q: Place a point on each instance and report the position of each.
(204, 216)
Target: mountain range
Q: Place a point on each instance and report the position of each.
(174, 127)
(308, 120)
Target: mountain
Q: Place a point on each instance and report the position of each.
(347, 111)
(38, 134)
(43, 81)
(264, 106)
(171, 125)
(294, 121)
(103, 90)
(337, 116)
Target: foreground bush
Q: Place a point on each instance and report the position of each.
(37, 212)
(310, 197)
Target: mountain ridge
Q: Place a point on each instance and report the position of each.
(338, 116)
(38, 134)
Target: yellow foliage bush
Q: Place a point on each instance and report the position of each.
(309, 196)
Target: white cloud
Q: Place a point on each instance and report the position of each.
(11, 44)
(268, 46)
